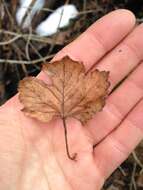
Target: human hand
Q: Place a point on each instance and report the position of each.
(33, 154)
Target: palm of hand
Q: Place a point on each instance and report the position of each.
(45, 164)
(35, 153)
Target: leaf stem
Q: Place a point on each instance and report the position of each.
(72, 157)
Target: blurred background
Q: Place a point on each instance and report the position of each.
(26, 42)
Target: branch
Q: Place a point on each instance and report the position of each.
(33, 37)
(11, 61)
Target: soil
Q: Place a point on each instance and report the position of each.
(14, 54)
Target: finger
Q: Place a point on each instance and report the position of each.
(118, 105)
(119, 64)
(120, 143)
(124, 57)
(96, 41)
(101, 37)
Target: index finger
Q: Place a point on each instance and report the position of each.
(99, 38)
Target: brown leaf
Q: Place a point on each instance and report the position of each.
(73, 93)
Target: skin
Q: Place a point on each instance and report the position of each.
(33, 154)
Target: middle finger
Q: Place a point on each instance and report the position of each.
(127, 95)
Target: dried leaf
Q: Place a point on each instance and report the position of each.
(71, 94)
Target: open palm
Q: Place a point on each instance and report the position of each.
(33, 154)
